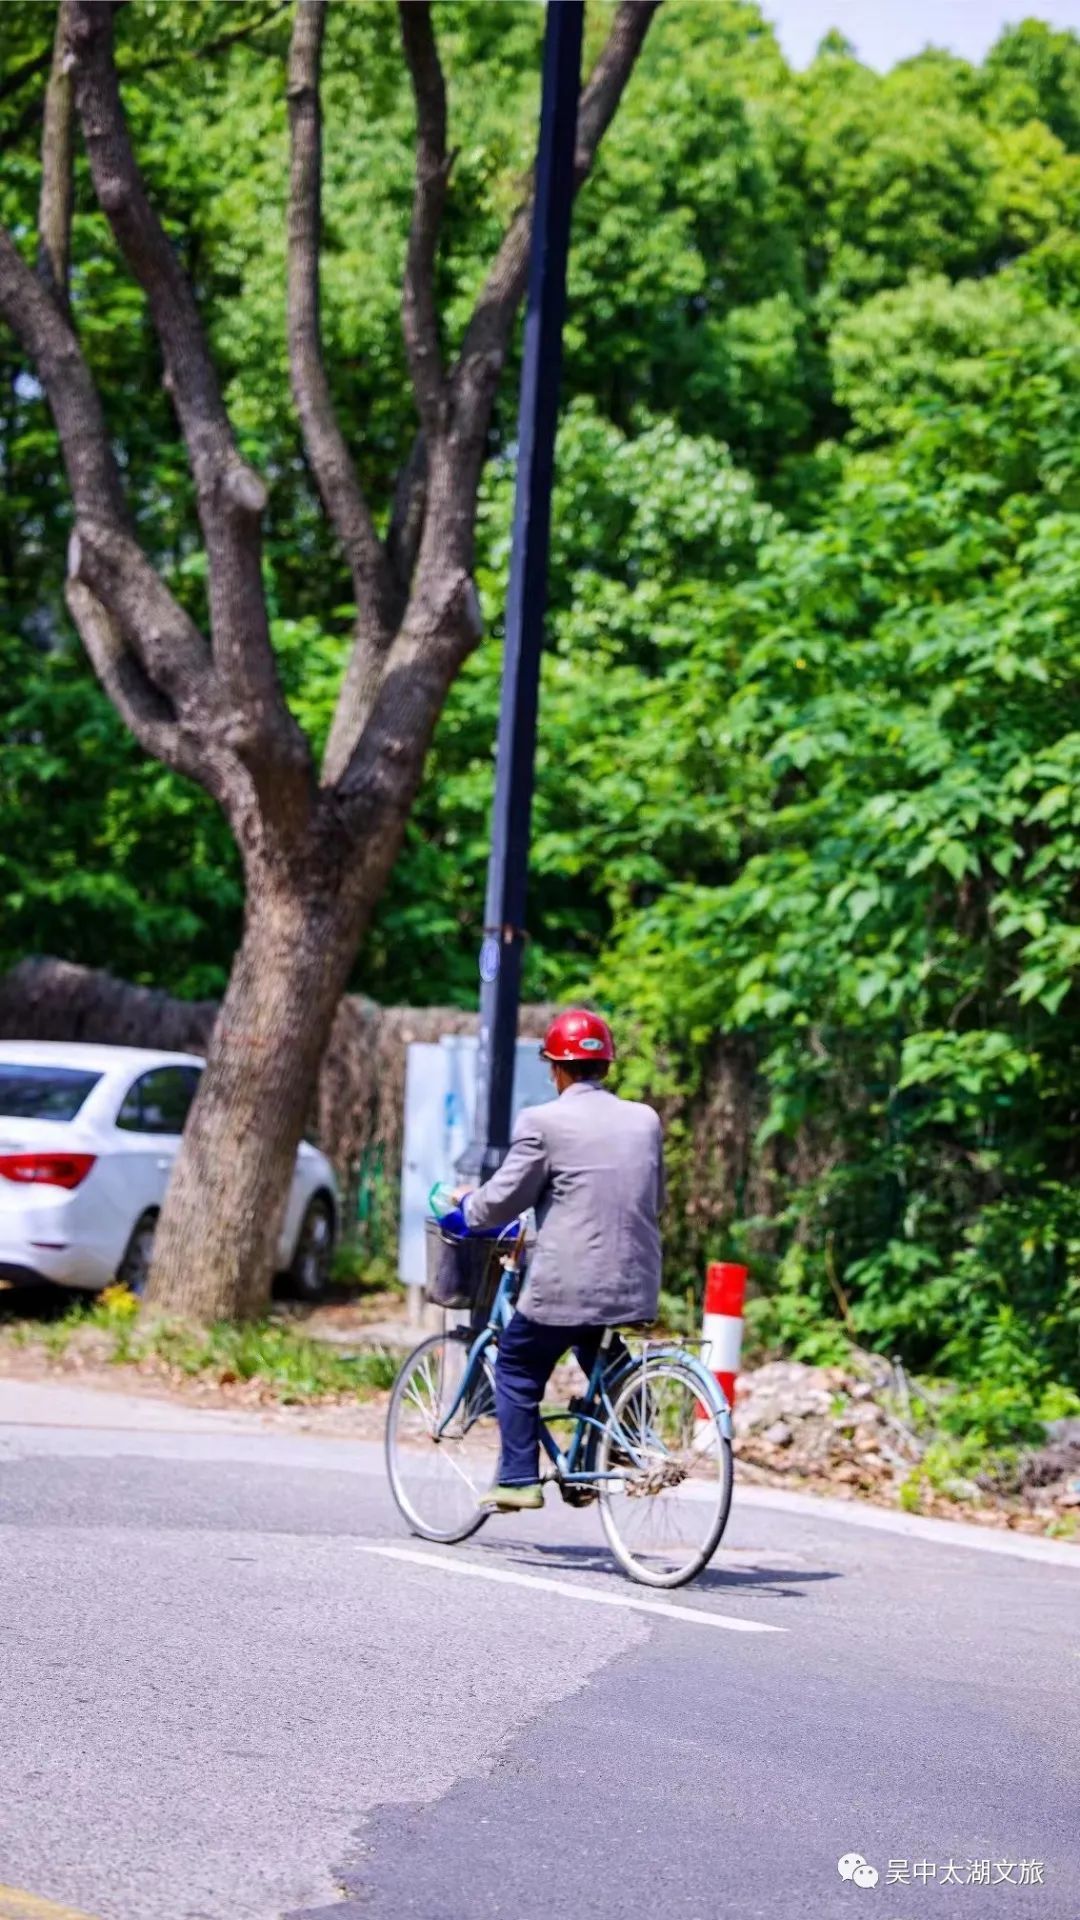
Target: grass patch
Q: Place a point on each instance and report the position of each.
(951, 1468)
(356, 1267)
(291, 1366)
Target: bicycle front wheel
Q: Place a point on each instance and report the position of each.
(665, 1516)
(437, 1477)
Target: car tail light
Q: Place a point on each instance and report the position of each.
(46, 1169)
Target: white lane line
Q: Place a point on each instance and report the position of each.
(505, 1576)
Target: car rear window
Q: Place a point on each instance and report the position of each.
(42, 1093)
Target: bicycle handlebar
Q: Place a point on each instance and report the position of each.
(457, 1227)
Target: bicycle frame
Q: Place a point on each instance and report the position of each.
(603, 1381)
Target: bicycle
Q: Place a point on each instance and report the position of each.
(650, 1441)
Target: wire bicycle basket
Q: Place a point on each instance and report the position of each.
(461, 1271)
(464, 1269)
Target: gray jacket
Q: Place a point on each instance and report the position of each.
(592, 1165)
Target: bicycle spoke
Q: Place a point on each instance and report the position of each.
(450, 1461)
(437, 1470)
(420, 1405)
(657, 1532)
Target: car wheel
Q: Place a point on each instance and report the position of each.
(309, 1272)
(134, 1269)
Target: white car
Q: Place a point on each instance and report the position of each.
(88, 1136)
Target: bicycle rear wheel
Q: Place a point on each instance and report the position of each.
(437, 1478)
(665, 1518)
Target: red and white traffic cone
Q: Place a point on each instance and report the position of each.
(722, 1328)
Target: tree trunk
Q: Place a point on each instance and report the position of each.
(215, 1249)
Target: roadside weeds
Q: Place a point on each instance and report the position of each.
(255, 1363)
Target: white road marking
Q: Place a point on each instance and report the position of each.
(569, 1589)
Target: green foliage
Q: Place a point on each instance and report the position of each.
(900, 935)
(901, 169)
(293, 1367)
(1033, 73)
(789, 1320)
(366, 1254)
(104, 855)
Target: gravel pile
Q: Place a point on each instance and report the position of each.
(811, 1424)
(857, 1432)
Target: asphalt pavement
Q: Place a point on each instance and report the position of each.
(232, 1688)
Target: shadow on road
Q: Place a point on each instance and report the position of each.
(784, 1582)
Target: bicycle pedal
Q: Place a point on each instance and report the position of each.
(579, 1404)
(578, 1496)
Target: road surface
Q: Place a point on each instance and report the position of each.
(222, 1699)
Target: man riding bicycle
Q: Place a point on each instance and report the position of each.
(591, 1164)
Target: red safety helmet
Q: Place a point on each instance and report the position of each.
(578, 1034)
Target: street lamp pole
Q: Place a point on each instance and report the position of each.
(504, 911)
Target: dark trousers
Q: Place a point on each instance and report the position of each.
(523, 1365)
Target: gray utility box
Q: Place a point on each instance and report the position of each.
(440, 1098)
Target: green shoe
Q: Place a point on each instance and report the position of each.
(513, 1499)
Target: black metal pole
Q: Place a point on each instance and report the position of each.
(504, 911)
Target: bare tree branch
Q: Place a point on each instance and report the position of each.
(384, 770)
(218, 45)
(53, 349)
(105, 554)
(57, 146)
(153, 260)
(12, 83)
(418, 311)
(109, 558)
(137, 700)
(230, 727)
(152, 658)
(197, 750)
(400, 709)
(329, 457)
(487, 337)
(216, 740)
(231, 496)
(475, 376)
(432, 533)
(378, 605)
(172, 650)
